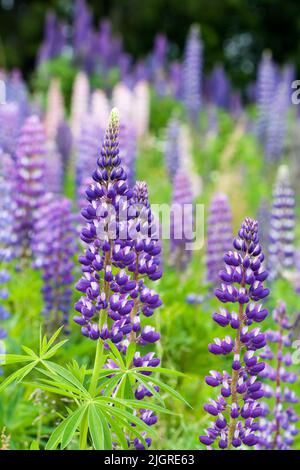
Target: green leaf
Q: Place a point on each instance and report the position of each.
(117, 430)
(116, 354)
(34, 446)
(53, 350)
(96, 427)
(30, 352)
(71, 425)
(53, 337)
(55, 437)
(6, 359)
(130, 354)
(19, 375)
(66, 376)
(168, 389)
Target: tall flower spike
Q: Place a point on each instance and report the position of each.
(192, 74)
(7, 238)
(54, 246)
(181, 223)
(86, 155)
(80, 101)
(237, 405)
(219, 235)
(266, 84)
(64, 143)
(172, 151)
(278, 428)
(276, 130)
(29, 182)
(282, 225)
(55, 109)
(113, 242)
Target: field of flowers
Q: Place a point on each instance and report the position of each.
(149, 241)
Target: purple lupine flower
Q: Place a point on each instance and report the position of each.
(276, 128)
(277, 430)
(82, 27)
(219, 86)
(54, 169)
(265, 90)
(192, 74)
(53, 41)
(175, 77)
(263, 218)
(237, 405)
(10, 121)
(128, 152)
(86, 154)
(16, 92)
(282, 225)
(172, 151)
(122, 255)
(219, 235)
(29, 182)
(54, 245)
(110, 243)
(181, 223)
(64, 142)
(7, 238)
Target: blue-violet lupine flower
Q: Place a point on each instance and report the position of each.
(278, 428)
(54, 246)
(219, 235)
(282, 225)
(192, 74)
(172, 151)
(29, 182)
(237, 405)
(181, 222)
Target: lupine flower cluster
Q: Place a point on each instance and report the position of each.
(54, 245)
(181, 221)
(64, 143)
(237, 404)
(172, 147)
(86, 155)
(110, 246)
(28, 182)
(219, 235)
(7, 237)
(276, 130)
(278, 426)
(192, 74)
(120, 256)
(266, 85)
(282, 225)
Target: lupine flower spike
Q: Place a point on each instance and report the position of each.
(219, 235)
(282, 225)
(278, 428)
(240, 390)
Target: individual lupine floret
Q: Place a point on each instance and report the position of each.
(172, 151)
(237, 404)
(28, 182)
(219, 235)
(282, 225)
(181, 221)
(278, 428)
(192, 74)
(54, 246)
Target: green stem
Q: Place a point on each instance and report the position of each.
(97, 367)
(83, 432)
